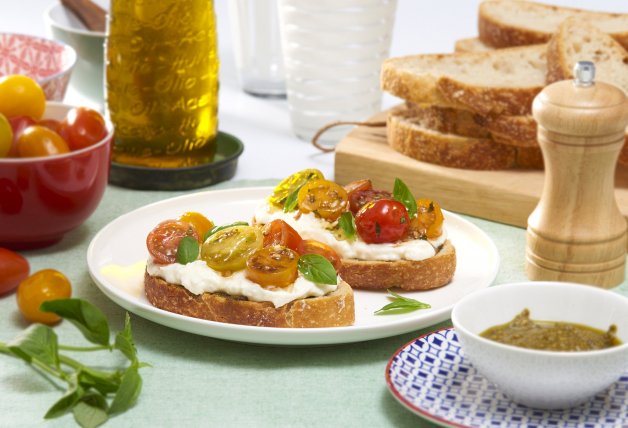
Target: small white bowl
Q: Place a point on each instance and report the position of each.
(88, 78)
(544, 379)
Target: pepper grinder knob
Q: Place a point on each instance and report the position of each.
(577, 233)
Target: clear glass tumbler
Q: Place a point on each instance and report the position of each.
(333, 51)
(257, 47)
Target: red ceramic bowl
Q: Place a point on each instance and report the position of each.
(47, 61)
(43, 198)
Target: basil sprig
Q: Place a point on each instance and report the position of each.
(188, 250)
(347, 224)
(317, 269)
(215, 229)
(291, 200)
(402, 194)
(401, 305)
(92, 394)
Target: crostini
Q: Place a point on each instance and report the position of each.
(384, 239)
(237, 274)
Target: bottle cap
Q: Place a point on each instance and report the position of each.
(584, 73)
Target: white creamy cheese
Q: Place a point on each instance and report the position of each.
(198, 278)
(311, 227)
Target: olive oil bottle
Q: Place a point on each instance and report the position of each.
(162, 82)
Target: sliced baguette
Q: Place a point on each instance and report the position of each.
(580, 41)
(413, 137)
(404, 274)
(503, 81)
(505, 23)
(332, 310)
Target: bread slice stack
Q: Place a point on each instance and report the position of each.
(472, 109)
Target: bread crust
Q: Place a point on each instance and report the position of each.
(335, 309)
(498, 34)
(404, 274)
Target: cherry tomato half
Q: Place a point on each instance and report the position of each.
(428, 222)
(6, 136)
(82, 127)
(275, 265)
(40, 141)
(311, 246)
(47, 284)
(358, 198)
(324, 198)
(21, 96)
(13, 269)
(200, 223)
(291, 184)
(278, 232)
(163, 241)
(358, 185)
(383, 220)
(228, 249)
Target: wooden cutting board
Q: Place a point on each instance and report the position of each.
(506, 196)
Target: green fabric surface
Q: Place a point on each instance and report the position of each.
(200, 381)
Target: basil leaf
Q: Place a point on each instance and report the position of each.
(91, 410)
(215, 229)
(129, 390)
(188, 250)
(291, 200)
(317, 269)
(402, 194)
(37, 342)
(65, 403)
(401, 304)
(86, 317)
(124, 340)
(347, 224)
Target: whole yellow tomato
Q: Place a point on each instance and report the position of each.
(21, 96)
(47, 284)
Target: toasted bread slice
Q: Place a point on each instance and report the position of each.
(504, 81)
(405, 274)
(505, 23)
(332, 310)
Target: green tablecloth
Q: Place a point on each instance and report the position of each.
(200, 381)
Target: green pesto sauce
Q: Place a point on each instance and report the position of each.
(551, 336)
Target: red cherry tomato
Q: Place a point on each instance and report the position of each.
(358, 185)
(40, 141)
(383, 220)
(278, 232)
(83, 127)
(358, 198)
(47, 284)
(51, 124)
(18, 124)
(13, 269)
(163, 240)
(311, 246)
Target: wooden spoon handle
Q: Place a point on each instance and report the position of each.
(93, 16)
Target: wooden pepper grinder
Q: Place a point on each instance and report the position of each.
(577, 233)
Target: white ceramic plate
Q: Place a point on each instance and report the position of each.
(431, 377)
(116, 257)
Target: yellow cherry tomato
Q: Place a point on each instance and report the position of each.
(291, 184)
(47, 284)
(428, 223)
(6, 136)
(40, 141)
(199, 222)
(228, 249)
(275, 265)
(21, 96)
(324, 198)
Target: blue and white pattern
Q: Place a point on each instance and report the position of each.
(432, 378)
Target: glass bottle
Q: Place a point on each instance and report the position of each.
(162, 82)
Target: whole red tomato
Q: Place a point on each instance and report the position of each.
(82, 127)
(383, 220)
(13, 269)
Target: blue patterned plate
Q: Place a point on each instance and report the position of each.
(431, 377)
